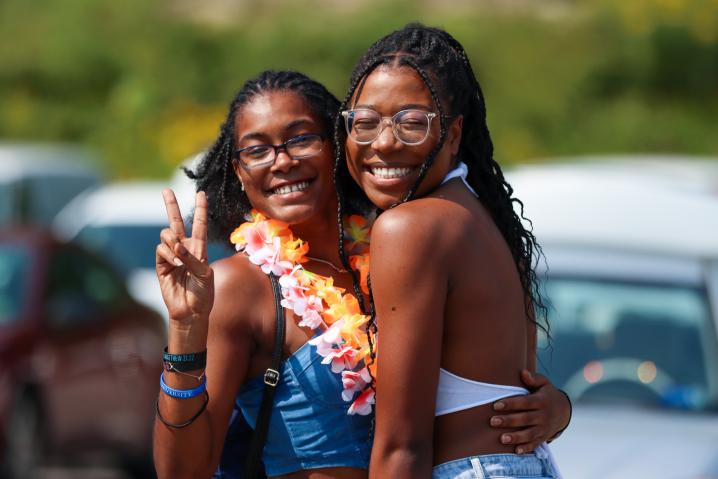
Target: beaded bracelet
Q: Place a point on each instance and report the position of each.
(182, 393)
(187, 422)
(184, 362)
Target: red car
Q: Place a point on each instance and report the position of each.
(79, 359)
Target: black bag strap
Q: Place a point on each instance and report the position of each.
(271, 379)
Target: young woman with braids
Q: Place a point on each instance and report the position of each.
(451, 272)
(229, 307)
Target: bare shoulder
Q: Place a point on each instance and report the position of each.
(237, 275)
(427, 223)
(240, 287)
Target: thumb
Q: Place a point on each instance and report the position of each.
(532, 380)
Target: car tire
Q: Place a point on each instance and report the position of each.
(25, 444)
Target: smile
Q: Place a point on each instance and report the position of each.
(286, 189)
(389, 173)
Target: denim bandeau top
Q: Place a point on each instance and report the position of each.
(309, 426)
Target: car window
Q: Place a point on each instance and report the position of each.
(7, 203)
(14, 267)
(130, 247)
(629, 342)
(81, 289)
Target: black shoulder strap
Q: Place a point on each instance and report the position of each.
(271, 379)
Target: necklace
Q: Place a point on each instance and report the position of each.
(328, 263)
(344, 343)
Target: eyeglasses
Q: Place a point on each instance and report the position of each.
(298, 147)
(410, 127)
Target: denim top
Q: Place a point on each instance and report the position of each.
(309, 426)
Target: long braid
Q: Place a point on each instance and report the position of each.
(442, 130)
(340, 172)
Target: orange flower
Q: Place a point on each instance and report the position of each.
(348, 306)
(358, 231)
(294, 250)
(324, 288)
(361, 264)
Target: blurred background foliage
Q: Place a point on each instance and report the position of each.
(147, 82)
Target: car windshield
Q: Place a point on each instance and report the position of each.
(631, 342)
(14, 266)
(130, 247)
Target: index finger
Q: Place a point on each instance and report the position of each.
(516, 403)
(199, 226)
(173, 213)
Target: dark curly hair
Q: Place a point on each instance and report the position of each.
(228, 204)
(443, 65)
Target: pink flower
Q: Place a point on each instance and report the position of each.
(354, 381)
(326, 341)
(267, 257)
(255, 239)
(362, 404)
(311, 319)
(341, 359)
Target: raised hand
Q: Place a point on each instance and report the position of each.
(186, 280)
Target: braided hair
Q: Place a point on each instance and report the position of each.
(442, 64)
(228, 205)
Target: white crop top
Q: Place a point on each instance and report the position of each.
(456, 393)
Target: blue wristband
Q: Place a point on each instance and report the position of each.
(182, 393)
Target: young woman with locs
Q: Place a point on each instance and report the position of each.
(273, 156)
(454, 305)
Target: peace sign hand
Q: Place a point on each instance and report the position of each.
(186, 280)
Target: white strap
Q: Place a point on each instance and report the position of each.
(461, 171)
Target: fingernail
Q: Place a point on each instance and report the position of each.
(177, 262)
(499, 406)
(519, 450)
(506, 439)
(496, 421)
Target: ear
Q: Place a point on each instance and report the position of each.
(453, 135)
(237, 168)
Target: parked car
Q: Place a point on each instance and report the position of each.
(79, 358)
(122, 222)
(632, 280)
(38, 180)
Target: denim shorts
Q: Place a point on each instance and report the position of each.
(506, 466)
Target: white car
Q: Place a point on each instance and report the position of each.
(122, 221)
(633, 283)
(39, 179)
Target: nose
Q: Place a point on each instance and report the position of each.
(386, 139)
(283, 162)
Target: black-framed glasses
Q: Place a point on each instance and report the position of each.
(298, 147)
(410, 127)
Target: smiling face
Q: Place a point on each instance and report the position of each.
(386, 168)
(293, 191)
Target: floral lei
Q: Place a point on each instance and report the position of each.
(343, 343)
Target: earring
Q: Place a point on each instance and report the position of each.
(241, 185)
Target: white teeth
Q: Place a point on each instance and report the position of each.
(381, 172)
(283, 190)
